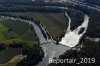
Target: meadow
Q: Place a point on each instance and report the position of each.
(2, 28)
(10, 29)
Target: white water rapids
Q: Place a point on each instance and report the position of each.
(72, 38)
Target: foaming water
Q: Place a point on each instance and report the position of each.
(72, 38)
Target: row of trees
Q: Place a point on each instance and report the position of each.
(30, 9)
(13, 6)
(30, 2)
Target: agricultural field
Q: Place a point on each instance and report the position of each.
(28, 35)
(54, 22)
(15, 26)
(10, 29)
(2, 28)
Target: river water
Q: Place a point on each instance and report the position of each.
(72, 38)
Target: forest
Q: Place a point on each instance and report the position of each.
(93, 2)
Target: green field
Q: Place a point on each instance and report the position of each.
(54, 22)
(29, 35)
(16, 26)
(11, 30)
(2, 28)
